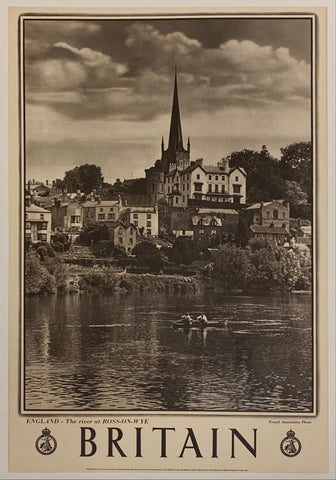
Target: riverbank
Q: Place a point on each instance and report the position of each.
(58, 277)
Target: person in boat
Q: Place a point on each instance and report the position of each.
(203, 320)
(186, 320)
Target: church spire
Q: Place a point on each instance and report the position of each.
(175, 132)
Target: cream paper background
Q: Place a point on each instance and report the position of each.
(314, 436)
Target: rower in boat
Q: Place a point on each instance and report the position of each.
(184, 322)
(203, 320)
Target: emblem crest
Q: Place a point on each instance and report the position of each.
(46, 444)
(290, 445)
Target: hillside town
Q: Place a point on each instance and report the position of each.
(209, 203)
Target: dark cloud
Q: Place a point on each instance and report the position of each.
(139, 85)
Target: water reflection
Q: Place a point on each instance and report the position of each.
(112, 352)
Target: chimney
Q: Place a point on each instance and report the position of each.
(224, 163)
(46, 182)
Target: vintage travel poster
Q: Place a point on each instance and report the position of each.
(168, 242)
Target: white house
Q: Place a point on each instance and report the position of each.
(37, 224)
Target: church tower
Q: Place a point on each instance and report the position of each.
(176, 156)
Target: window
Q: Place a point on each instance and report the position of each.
(216, 188)
(223, 188)
(111, 209)
(236, 188)
(28, 235)
(187, 186)
(183, 198)
(44, 226)
(198, 187)
(176, 200)
(198, 176)
(223, 178)
(268, 214)
(135, 223)
(210, 177)
(101, 209)
(168, 189)
(237, 178)
(130, 240)
(111, 216)
(216, 177)
(135, 216)
(283, 214)
(42, 237)
(275, 214)
(149, 231)
(101, 216)
(129, 249)
(120, 231)
(149, 223)
(75, 219)
(41, 216)
(210, 188)
(183, 186)
(149, 216)
(120, 239)
(28, 225)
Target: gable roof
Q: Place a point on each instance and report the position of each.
(270, 230)
(206, 220)
(256, 206)
(35, 209)
(89, 204)
(192, 167)
(214, 211)
(238, 168)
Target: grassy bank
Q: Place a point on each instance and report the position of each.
(54, 276)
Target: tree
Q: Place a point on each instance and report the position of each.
(264, 181)
(148, 255)
(184, 251)
(93, 234)
(296, 165)
(85, 178)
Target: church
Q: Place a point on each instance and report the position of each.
(182, 182)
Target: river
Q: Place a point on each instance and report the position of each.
(120, 352)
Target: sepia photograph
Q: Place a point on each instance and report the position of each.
(168, 214)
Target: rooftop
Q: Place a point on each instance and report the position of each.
(35, 209)
(270, 230)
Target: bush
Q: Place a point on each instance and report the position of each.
(184, 251)
(44, 250)
(58, 247)
(148, 255)
(61, 238)
(37, 278)
(103, 248)
(93, 234)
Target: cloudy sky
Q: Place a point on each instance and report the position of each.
(100, 91)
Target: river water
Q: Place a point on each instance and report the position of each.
(120, 352)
